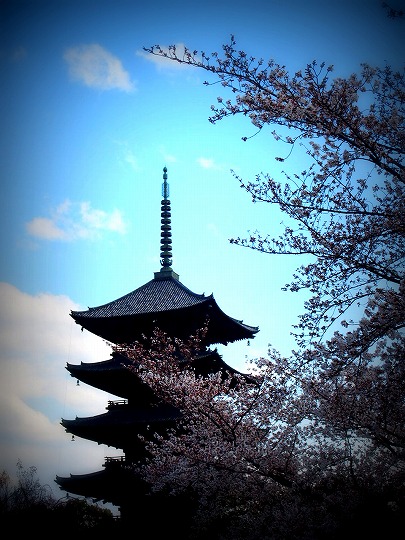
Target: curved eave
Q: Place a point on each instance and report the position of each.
(119, 427)
(181, 323)
(113, 376)
(166, 304)
(211, 362)
(115, 486)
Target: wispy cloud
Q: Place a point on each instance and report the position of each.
(131, 159)
(167, 156)
(73, 221)
(208, 163)
(14, 55)
(126, 156)
(98, 68)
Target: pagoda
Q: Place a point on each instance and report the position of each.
(167, 304)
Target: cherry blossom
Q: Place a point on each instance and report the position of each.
(303, 446)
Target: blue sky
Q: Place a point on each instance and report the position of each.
(88, 123)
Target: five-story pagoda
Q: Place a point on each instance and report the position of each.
(164, 303)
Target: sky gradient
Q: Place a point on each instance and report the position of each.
(88, 123)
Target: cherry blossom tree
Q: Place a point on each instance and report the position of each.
(271, 456)
(346, 207)
(308, 445)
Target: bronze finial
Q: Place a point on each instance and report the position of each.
(166, 228)
(166, 270)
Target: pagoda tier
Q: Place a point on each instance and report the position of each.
(116, 480)
(115, 377)
(119, 485)
(122, 423)
(167, 304)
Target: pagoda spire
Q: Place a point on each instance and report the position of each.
(166, 233)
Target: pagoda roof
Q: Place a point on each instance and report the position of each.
(121, 424)
(115, 486)
(115, 377)
(167, 304)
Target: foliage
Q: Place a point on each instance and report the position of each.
(29, 503)
(27, 493)
(318, 438)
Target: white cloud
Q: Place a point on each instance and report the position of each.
(127, 156)
(207, 163)
(72, 221)
(45, 228)
(98, 68)
(101, 220)
(167, 157)
(130, 158)
(38, 338)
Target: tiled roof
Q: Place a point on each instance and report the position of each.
(109, 485)
(153, 297)
(163, 303)
(124, 415)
